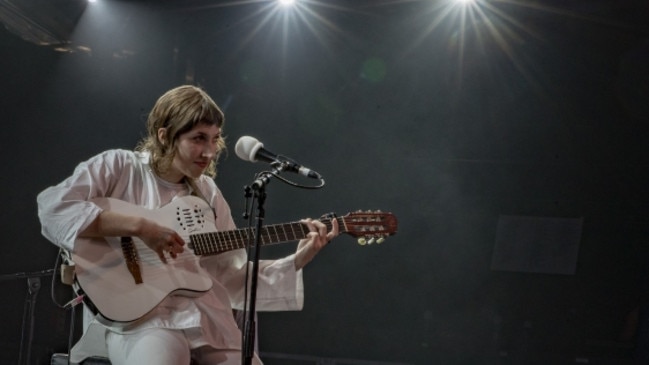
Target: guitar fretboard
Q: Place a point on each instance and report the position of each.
(213, 243)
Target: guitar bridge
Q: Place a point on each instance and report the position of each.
(132, 259)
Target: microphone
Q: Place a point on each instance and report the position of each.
(250, 149)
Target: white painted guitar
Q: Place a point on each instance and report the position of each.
(124, 279)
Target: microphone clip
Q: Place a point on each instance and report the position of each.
(263, 178)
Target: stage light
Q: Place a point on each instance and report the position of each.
(286, 2)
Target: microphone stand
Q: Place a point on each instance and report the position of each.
(259, 186)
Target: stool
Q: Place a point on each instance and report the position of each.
(62, 359)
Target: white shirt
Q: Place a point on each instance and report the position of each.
(65, 210)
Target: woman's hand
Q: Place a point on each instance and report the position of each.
(316, 239)
(161, 239)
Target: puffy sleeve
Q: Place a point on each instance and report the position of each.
(279, 288)
(64, 210)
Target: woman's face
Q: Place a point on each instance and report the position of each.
(195, 150)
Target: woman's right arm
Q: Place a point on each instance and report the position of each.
(66, 210)
(112, 224)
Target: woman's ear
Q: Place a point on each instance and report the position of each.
(162, 136)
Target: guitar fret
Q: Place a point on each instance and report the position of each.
(200, 243)
(265, 237)
(262, 235)
(240, 233)
(284, 236)
(302, 229)
(195, 244)
(294, 234)
(227, 240)
(297, 231)
(279, 233)
(274, 235)
(204, 240)
(220, 242)
(208, 240)
(232, 237)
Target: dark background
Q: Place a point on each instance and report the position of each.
(524, 109)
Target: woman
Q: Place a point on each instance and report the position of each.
(176, 159)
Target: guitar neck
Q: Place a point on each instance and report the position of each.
(213, 243)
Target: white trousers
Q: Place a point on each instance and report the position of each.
(161, 346)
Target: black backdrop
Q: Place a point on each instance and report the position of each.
(535, 110)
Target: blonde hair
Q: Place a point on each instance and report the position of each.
(178, 111)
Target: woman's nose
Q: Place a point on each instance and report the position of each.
(209, 152)
(210, 149)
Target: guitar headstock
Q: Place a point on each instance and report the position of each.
(369, 227)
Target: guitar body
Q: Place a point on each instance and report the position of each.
(103, 272)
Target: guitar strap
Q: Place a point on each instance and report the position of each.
(193, 188)
(68, 277)
(195, 191)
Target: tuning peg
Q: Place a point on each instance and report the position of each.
(371, 241)
(380, 240)
(362, 241)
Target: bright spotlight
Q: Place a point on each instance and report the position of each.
(286, 2)
(465, 1)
